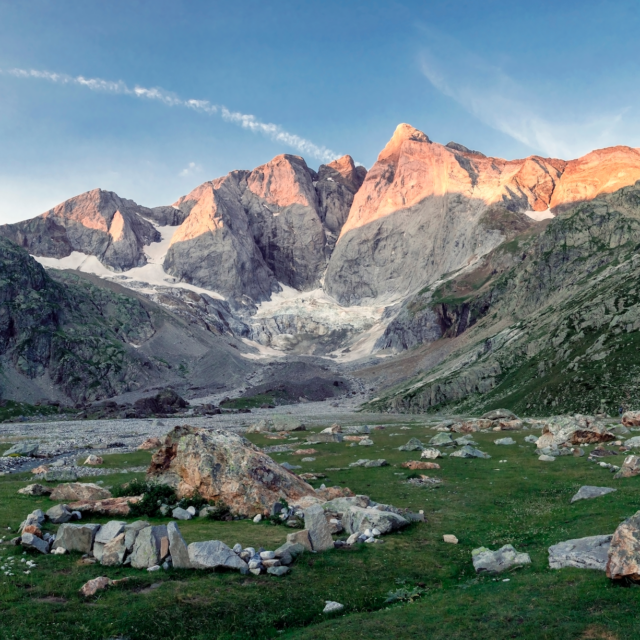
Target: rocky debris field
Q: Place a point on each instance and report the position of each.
(461, 510)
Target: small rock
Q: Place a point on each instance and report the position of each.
(181, 514)
(487, 561)
(32, 541)
(150, 443)
(531, 439)
(90, 588)
(267, 555)
(191, 510)
(451, 539)
(505, 441)
(278, 571)
(431, 454)
(413, 445)
(365, 442)
(587, 492)
(545, 458)
(93, 460)
(59, 514)
(630, 467)
(469, 452)
(257, 518)
(415, 465)
(332, 607)
(35, 490)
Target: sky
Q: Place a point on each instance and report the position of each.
(149, 98)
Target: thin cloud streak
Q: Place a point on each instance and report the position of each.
(499, 101)
(246, 121)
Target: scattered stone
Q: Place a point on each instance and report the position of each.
(546, 458)
(582, 553)
(442, 439)
(358, 519)
(531, 439)
(431, 454)
(365, 442)
(630, 467)
(93, 586)
(290, 467)
(300, 538)
(413, 445)
(35, 490)
(75, 491)
(32, 541)
(41, 470)
(60, 475)
(22, 449)
(451, 539)
(76, 537)
(364, 462)
(304, 452)
(114, 551)
(624, 550)
(425, 481)
(59, 514)
(505, 441)
(633, 442)
(587, 492)
(487, 561)
(257, 518)
(278, 571)
(334, 428)
(318, 528)
(307, 459)
(214, 554)
(415, 465)
(94, 460)
(181, 514)
(332, 607)
(576, 429)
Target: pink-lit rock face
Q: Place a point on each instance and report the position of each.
(425, 209)
(97, 223)
(251, 230)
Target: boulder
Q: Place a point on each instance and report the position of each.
(278, 571)
(214, 554)
(358, 520)
(59, 514)
(178, 547)
(282, 423)
(166, 401)
(148, 548)
(300, 538)
(318, 527)
(631, 418)
(364, 462)
(114, 551)
(181, 514)
(487, 561)
(74, 491)
(624, 551)
(416, 465)
(109, 531)
(431, 454)
(582, 553)
(341, 505)
(471, 426)
(449, 538)
(22, 449)
(221, 465)
(365, 442)
(413, 445)
(633, 442)
(469, 452)
(586, 492)
(94, 460)
(332, 607)
(150, 443)
(576, 429)
(334, 428)
(545, 458)
(35, 490)
(93, 586)
(630, 467)
(131, 532)
(505, 441)
(500, 414)
(32, 541)
(290, 549)
(108, 507)
(76, 537)
(326, 437)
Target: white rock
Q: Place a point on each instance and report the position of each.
(332, 607)
(156, 567)
(191, 510)
(267, 555)
(376, 532)
(258, 518)
(451, 539)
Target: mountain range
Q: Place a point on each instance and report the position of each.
(441, 279)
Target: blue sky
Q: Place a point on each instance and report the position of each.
(507, 78)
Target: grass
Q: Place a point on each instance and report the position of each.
(525, 503)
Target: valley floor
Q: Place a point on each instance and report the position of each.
(512, 498)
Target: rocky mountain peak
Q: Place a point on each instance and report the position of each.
(352, 176)
(403, 133)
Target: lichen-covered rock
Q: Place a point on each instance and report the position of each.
(630, 467)
(624, 550)
(35, 490)
(148, 549)
(413, 445)
(573, 430)
(487, 561)
(114, 551)
(358, 520)
(107, 507)
(75, 491)
(22, 449)
(178, 547)
(582, 553)
(224, 466)
(631, 419)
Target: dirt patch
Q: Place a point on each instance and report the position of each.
(52, 600)
(598, 632)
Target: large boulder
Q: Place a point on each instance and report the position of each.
(631, 419)
(358, 519)
(576, 429)
(624, 550)
(582, 553)
(76, 537)
(214, 554)
(74, 491)
(223, 466)
(166, 401)
(630, 467)
(487, 561)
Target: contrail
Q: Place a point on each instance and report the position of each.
(246, 121)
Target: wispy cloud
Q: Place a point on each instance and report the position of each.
(500, 101)
(190, 169)
(246, 121)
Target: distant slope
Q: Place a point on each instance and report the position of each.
(547, 323)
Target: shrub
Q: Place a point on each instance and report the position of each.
(219, 511)
(153, 496)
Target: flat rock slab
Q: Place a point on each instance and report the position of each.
(178, 547)
(214, 554)
(586, 492)
(487, 561)
(582, 553)
(358, 519)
